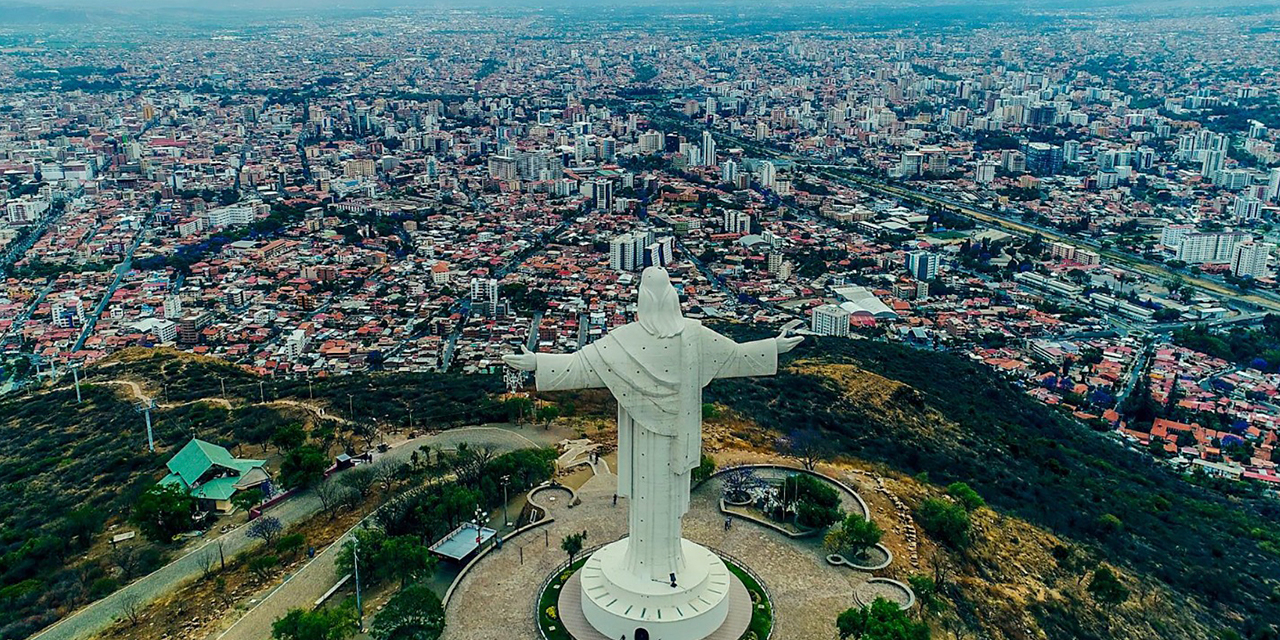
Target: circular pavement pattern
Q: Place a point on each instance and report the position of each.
(496, 599)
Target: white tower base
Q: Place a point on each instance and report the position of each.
(618, 603)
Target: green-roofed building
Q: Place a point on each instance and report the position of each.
(212, 475)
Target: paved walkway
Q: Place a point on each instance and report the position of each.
(100, 614)
(569, 608)
(496, 600)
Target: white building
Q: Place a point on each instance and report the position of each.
(1171, 235)
(172, 307)
(1249, 259)
(1247, 208)
(1209, 248)
(708, 149)
(484, 296)
(830, 320)
(767, 174)
(922, 265)
(25, 210)
(736, 221)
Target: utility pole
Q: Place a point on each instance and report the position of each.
(146, 411)
(310, 394)
(355, 564)
(351, 410)
(223, 383)
(75, 373)
(261, 397)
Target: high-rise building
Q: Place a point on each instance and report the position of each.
(660, 253)
(1044, 159)
(1209, 248)
(729, 171)
(984, 172)
(1172, 234)
(634, 250)
(708, 149)
(172, 307)
(830, 320)
(601, 194)
(1273, 185)
(650, 142)
(1246, 208)
(736, 221)
(1212, 163)
(484, 296)
(1249, 259)
(922, 265)
(911, 164)
(767, 174)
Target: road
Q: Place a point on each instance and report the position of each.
(1264, 300)
(99, 615)
(310, 582)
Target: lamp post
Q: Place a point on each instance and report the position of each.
(505, 481)
(355, 564)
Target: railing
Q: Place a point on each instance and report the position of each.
(537, 602)
(560, 568)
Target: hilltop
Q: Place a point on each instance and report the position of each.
(70, 470)
(1062, 497)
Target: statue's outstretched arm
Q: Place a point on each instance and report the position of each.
(564, 371)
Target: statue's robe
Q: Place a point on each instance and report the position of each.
(658, 385)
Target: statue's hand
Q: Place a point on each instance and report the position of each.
(525, 360)
(787, 343)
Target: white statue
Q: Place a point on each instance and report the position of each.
(656, 368)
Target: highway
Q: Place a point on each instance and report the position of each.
(1150, 268)
(1263, 300)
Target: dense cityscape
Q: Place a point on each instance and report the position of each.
(1083, 202)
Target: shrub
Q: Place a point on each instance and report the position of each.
(945, 521)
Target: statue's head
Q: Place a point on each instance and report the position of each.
(659, 308)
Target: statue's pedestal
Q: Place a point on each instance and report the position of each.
(620, 604)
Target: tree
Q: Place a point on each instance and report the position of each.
(945, 521)
(360, 479)
(289, 437)
(261, 566)
(547, 414)
(737, 483)
(303, 467)
(163, 512)
(926, 590)
(966, 496)
(369, 542)
(518, 408)
(706, 467)
(325, 624)
(131, 607)
(854, 536)
(266, 528)
(415, 613)
(883, 620)
(247, 499)
(1106, 588)
(331, 492)
(404, 558)
(289, 546)
(810, 445)
(572, 544)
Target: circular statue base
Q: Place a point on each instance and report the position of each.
(569, 609)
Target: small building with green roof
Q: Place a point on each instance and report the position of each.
(212, 475)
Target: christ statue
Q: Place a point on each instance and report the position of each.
(656, 368)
